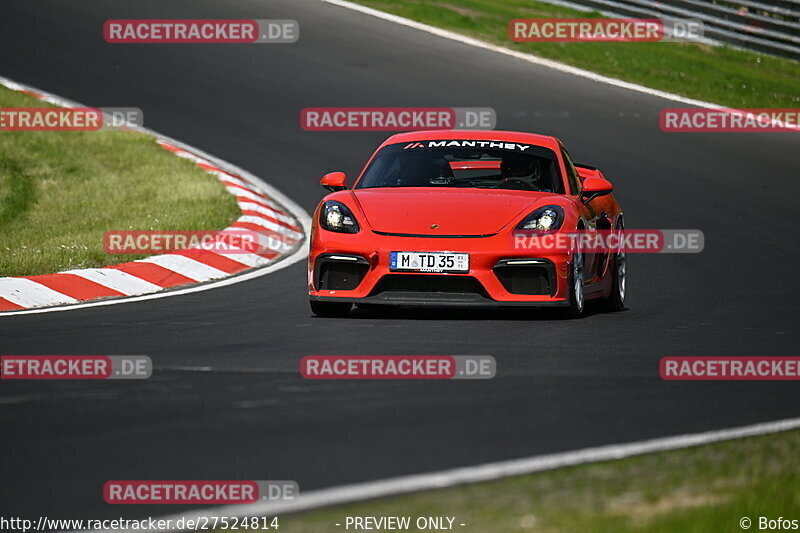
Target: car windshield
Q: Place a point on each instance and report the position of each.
(465, 164)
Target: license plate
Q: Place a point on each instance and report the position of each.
(429, 261)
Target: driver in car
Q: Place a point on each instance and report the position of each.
(517, 169)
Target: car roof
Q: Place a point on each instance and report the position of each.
(547, 141)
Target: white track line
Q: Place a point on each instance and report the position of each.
(548, 63)
(555, 65)
(356, 492)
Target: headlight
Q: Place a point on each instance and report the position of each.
(547, 218)
(335, 216)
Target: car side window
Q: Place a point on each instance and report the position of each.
(572, 174)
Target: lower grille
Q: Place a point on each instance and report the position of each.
(339, 275)
(429, 284)
(526, 279)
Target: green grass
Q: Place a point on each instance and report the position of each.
(61, 191)
(716, 74)
(697, 490)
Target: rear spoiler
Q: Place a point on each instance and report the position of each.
(588, 171)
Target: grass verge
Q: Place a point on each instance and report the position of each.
(61, 191)
(696, 490)
(721, 75)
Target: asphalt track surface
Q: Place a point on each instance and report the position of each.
(226, 400)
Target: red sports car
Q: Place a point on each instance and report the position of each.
(444, 218)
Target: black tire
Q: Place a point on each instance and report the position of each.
(616, 299)
(577, 297)
(330, 309)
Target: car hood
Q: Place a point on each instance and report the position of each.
(412, 210)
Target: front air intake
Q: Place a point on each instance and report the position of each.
(339, 273)
(530, 278)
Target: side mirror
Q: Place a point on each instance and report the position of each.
(334, 181)
(594, 187)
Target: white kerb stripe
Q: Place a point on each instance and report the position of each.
(192, 157)
(28, 293)
(268, 224)
(236, 191)
(250, 206)
(185, 266)
(239, 255)
(116, 279)
(38, 299)
(228, 177)
(250, 260)
(268, 242)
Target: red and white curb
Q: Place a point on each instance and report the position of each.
(282, 224)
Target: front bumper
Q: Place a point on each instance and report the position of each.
(432, 300)
(355, 268)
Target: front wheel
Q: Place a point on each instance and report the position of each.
(616, 300)
(330, 309)
(577, 299)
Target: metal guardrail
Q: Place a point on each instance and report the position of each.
(770, 26)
